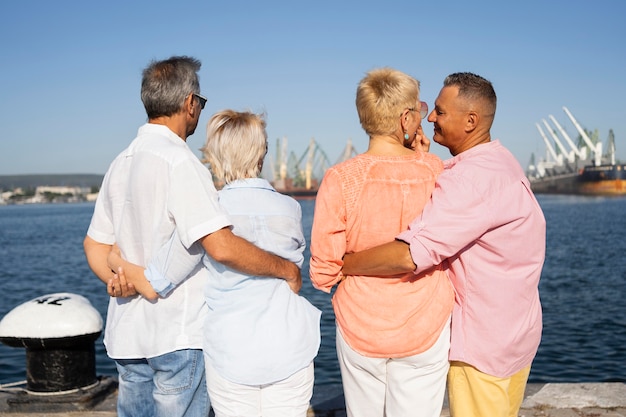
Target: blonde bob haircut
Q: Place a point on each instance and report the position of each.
(381, 97)
(236, 145)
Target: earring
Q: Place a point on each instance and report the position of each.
(406, 136)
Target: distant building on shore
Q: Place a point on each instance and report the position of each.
(49, 188)
(48, 194)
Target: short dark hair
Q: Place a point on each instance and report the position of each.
(165, 85)
(474, 88)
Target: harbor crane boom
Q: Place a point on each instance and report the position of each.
(596, 149)
(557, 158)
(582, 153)
(568, 155)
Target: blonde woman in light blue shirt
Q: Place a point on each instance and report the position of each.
(260, 336)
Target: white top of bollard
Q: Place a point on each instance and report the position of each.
(51, 316)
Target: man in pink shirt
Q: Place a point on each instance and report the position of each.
(484, 225)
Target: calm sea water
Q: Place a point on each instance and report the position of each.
(583, 286)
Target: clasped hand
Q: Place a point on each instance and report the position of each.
(118, 286)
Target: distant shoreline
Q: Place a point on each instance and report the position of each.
(49, 188)
(11, 182)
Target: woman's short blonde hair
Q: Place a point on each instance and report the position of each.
(236, 145)
(381, 97)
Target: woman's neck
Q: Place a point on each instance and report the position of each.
(387, 145)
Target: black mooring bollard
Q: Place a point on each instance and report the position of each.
(58, 331)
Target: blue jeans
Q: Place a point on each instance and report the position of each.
(170, 385)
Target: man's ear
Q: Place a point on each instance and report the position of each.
(190, 105)
(471, 121)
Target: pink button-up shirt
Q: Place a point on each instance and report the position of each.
(485, 223)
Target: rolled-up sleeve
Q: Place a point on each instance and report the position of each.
(172, 264)
(328, 235)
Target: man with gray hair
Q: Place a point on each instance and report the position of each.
(154, 187)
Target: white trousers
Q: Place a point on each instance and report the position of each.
(287, 398)
(395, 387)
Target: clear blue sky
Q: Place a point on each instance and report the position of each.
(70, 70)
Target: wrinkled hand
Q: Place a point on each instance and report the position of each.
(295, 283)
(119, 287)
(421, 141)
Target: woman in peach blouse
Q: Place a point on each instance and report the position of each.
(392, 332)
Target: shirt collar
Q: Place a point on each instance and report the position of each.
(153, 128)
(250, 183)
(478, 149)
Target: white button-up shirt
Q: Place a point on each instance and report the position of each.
(155, 186)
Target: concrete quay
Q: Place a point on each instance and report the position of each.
(541, 400)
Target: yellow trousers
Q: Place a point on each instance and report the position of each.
(475, 394)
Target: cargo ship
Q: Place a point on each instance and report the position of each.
(578, 168)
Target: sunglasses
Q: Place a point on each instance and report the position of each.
(201, 99)
(423, 109)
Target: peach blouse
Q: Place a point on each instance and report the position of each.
(364, 202)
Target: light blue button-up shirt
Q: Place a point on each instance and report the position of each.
(257, 330)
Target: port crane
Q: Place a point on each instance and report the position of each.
(570, 157)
